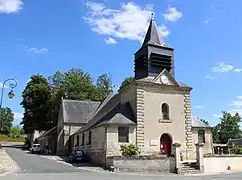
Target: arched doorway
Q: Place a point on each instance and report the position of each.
(165, 144)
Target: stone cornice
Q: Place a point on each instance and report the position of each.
(162, 86)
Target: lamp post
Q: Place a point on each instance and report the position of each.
(11, 94)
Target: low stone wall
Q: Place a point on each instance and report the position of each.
(143, 164)
(97, 157)
(222, 163)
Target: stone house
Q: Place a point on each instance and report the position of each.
(72, 116)
(49, 138)
(153, 112)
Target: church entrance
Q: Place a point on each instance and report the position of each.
(165, 144)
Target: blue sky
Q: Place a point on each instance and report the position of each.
(44, 36)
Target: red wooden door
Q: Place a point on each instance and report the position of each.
(166, 144)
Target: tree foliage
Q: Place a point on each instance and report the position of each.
(6, 120)
(42, 97)
(204, 121)
(228, 128)
(36, 103)
(127, 81)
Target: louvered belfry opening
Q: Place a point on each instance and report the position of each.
(153, 56)
(161, 61)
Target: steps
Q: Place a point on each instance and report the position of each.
(189, 168)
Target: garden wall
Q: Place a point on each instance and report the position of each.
(222, 163)
(143, 164)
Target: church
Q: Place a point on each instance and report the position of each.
(152, 113)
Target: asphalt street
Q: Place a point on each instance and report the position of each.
(34, 167)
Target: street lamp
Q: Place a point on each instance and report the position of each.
(11, 94)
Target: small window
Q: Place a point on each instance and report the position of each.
(83, 139)
(123, 134)
(90, 137)
(165, 111)
(201, 136)
(77, 140)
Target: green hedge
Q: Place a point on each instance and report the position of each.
(4, 137)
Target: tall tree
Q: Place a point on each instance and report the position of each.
(104, 86)
(204, 121)
(6, 120)
(127, 81)
(228, 128)
(216, 132)
(36, 103)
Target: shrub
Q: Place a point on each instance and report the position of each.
(129, 150)
(236, 150)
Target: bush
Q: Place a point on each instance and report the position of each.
(236, 150)
(129, 150)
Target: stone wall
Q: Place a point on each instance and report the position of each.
(143, 164)
(222, 163)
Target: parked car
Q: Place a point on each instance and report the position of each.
(77, 156)
(35, 149)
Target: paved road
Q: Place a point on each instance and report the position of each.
(34, 167)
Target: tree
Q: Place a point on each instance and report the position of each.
(215, 133)
(16, 131)
(204, 121)
(6, 120)
(104, 86)
(36, 103)
(228, 128)
(127, 81)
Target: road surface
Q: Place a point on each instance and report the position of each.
(35, 167)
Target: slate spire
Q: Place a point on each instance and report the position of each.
(154, 55)
(152, 36)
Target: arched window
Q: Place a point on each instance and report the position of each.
(201, 136)
(165, 111)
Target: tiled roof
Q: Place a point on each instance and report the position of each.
(75, 111)
(196, 122)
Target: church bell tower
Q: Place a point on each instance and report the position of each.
(154, 55)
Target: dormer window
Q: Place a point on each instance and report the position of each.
(165, 111)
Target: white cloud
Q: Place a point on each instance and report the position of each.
(239, 97)
(198, 106)
(164, 30)
(130, 21)
(209, 77)
(172, 14)
(237, 70)
(38, 50)
(10, 6)
(237, 105)
(223, 67)
(217, 115)
(110, 40)
(18, 115)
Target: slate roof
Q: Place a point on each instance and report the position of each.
(235, 142)
(112, 112)
(153, 36)
(75, 111)
(121, 114)
(197, 123)
(50, 132)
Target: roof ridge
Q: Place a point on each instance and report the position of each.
(81, 100)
